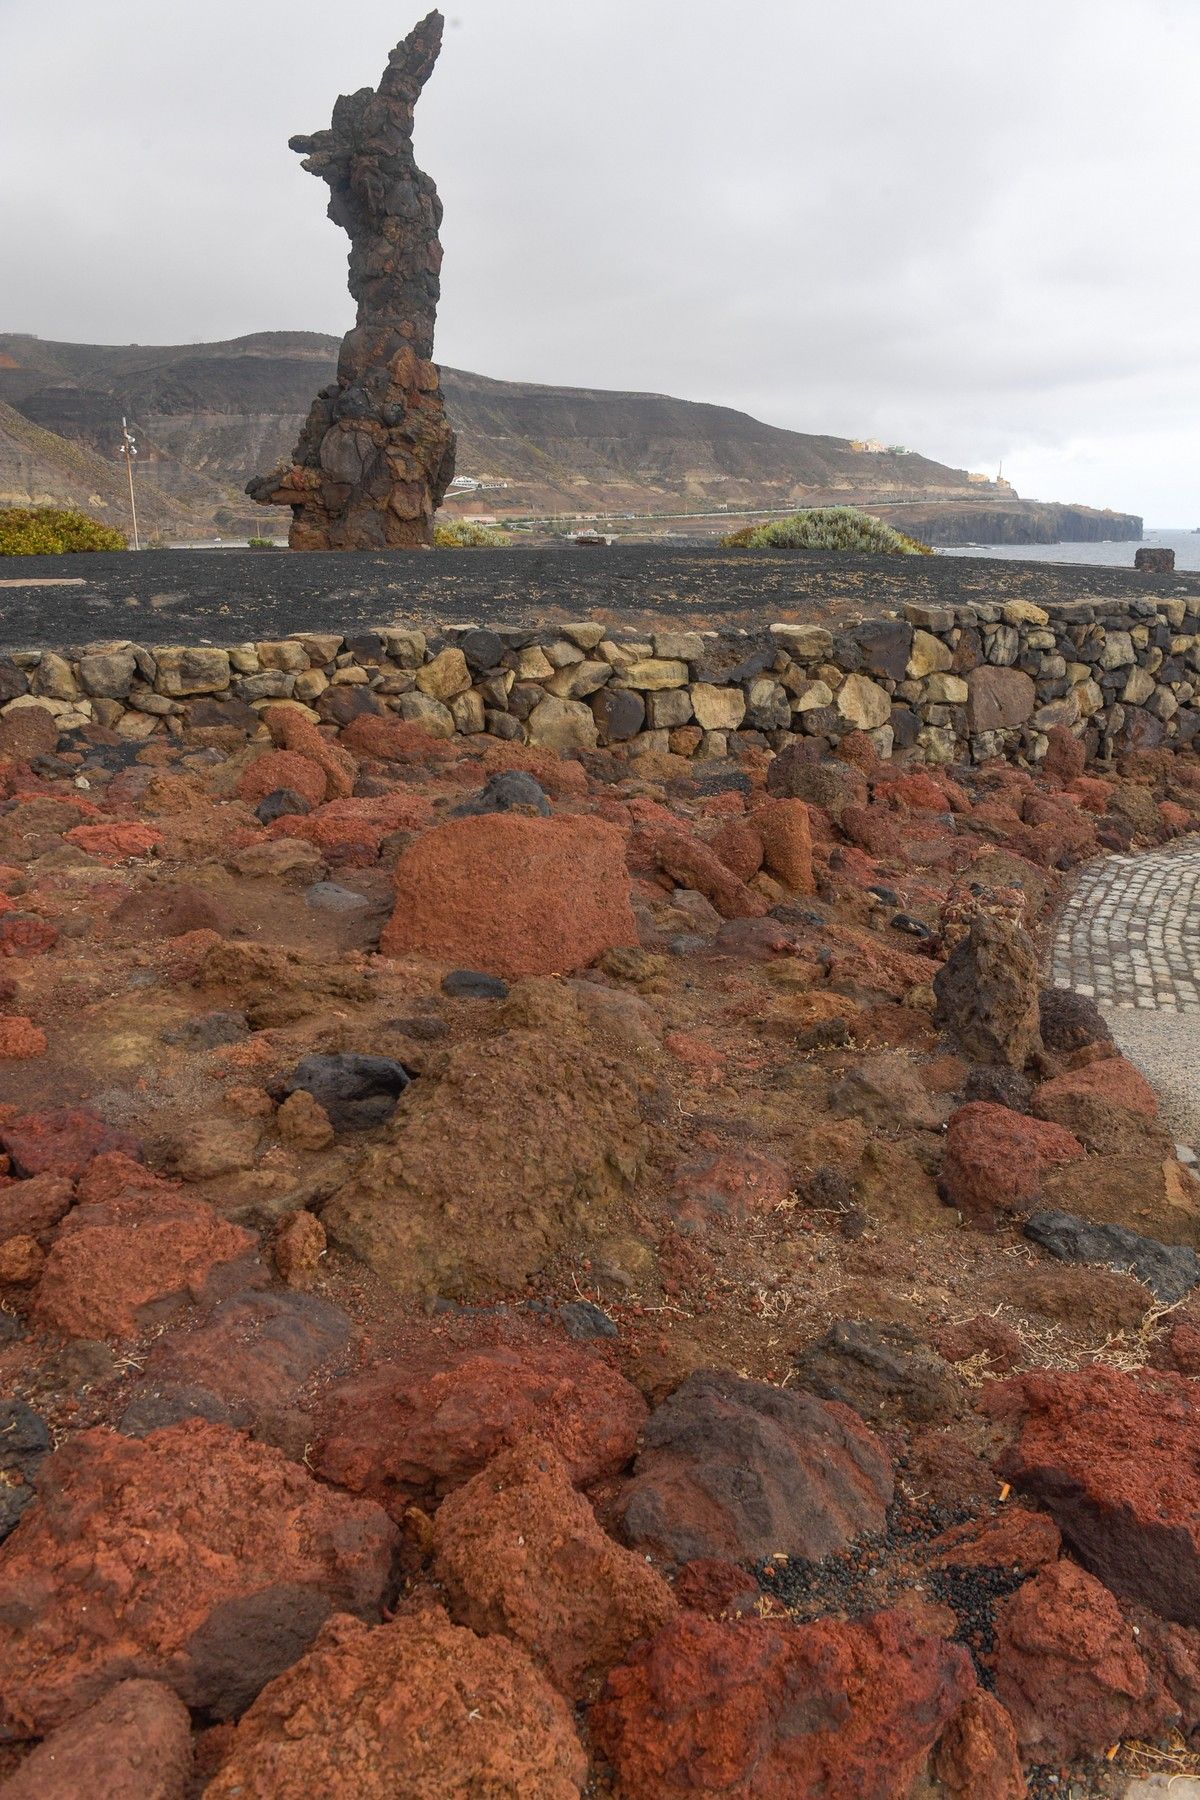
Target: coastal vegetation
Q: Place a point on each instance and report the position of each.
(827, 528)
(53, 531)
(462, 534)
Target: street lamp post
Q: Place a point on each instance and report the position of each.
(129, 450)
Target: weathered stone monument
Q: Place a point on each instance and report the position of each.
(376, 453)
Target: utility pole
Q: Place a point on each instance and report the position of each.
(129, 450)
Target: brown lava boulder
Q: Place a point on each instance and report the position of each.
(415, 1430)
(192, 1556)
(988, 993)
(518, 1550)
(513, 895)
(739, 1469)
(1069, 1671)
(505, 1151)
(976, 1757)
(1114, 1458)
(416, 1710)
(996, 1159)
(125, 1261)
(135, 1743)
(822, 1710)
(61, 1141)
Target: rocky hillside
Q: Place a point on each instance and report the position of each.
(210, 415)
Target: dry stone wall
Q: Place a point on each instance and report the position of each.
(935, 683)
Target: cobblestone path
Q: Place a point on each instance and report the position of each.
(1129, 936)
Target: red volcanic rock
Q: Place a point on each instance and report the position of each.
(874, 830)
(290, 730)
(116, 841)
(740, 847)
(1092, 794)
(714, 1587)
(1015, 1539)
(142, 1253)
(787, 842)
(822, 1710)
(518, 1551)
(297, 1248)
(417, 1430)
(193, 1556)
(256, 1351)
(20, 1038)
(1069, 1671)
(1114, 1458)
(62, 1141)
(996, 1158)
(33, 1208)
(917, 792)
(740, 1469)
(1091, 1100)
(388, 739)
(728, 1186)
(976, 1758)
(1065, 755)
(134, 1744)
(419, 1708)
(981, 1336)
(513, 895)
(23, 934)
(351, 831)
(282, 769)
(21, 1260)
(691, 864)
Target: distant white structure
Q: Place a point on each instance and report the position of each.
(465, 483)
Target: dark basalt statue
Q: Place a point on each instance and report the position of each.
(376, 454)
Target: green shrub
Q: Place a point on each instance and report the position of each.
(462, 535)
(261, 543)
(52, 531)
(827, 528)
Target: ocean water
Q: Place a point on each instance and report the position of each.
(1186, 545)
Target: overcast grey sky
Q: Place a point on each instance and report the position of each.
(966, 225)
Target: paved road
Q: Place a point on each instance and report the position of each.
(230, 596)
(1129, 938)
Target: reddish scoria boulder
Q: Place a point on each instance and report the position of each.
(419, 1709)
(518, 1550)
(1114, 1458)
(416, 1430)
(1069, 1671)
(786, 834)
(996, 1158)
(739, 1469)
(513, 895)
(290, 730)
(977, 1758)
(62, 1141)
(1093, 1102)
(192, 1556)
(728, 1187)
(136, 1256)
(771, 1712)
(277, 769)
(134, 1744)
(115, 841)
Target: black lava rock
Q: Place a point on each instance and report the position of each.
(208, 1031)
(280, 803)
(581, 1320)
(1071, 1021)
(1169, 1270)
(473, 984)
(482, 650)
(356, 1091)
(24, 1440)
(504, 793)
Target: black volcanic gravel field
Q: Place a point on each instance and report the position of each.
(232, 596)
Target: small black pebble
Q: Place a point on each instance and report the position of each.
(473, 984)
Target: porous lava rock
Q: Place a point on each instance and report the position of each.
(353, 1091)
(738, 1469)
(882, 1372)
(1114, 1458)
(1095, 1103)
(415, 1430)
(417, 1710)
(1070, 1021)
(996, 1159)
(1146, 1192)
(32, 1208)
(786, 833)
(282, 771)
(728, 1186)
(1068, 1669)
(518, 1550)
(1169, 1270)
(977, 1757)
(507, 1149)
(192, 1556)
(135, 1743)
(61, 1141)
(770, 1711)
(136, 1256)
(988, 992)
(256, 1351)
(513, 895)
(697, 866)
(376, 453)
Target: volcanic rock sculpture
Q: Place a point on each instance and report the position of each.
(376, 453)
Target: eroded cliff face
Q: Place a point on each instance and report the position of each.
(1018, 522)
(376, 453)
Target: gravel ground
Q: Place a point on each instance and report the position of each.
(231, 596)
(1166, 1048)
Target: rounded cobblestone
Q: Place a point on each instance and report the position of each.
(1129, 935)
